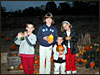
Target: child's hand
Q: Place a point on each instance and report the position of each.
(60, 56)
(61, 53)
(50, 42)
(45, 38)
(25, 33)
(20, 35)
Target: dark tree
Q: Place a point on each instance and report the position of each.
(64, 8)
(51, 7)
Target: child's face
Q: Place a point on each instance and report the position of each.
(48, 20)
(59, 40)
(30, 28)
(66, 26)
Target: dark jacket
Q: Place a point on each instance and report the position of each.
(73, 41)
(44, 30)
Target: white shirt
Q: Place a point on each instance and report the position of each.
(68, 34)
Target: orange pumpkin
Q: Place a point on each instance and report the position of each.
(87, 48)
(60, 48)
(78, 59)
(50, 38)
(36, 72)
(36, 61)
(67, 37)
(7, 38)
(37, 67)
(13, 47)
(82, 59)
(21, 67)
(92, 64)
(51, 58)
(13, 54)
(38, 56)
(85, 61)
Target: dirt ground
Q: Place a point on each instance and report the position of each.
(77, 24)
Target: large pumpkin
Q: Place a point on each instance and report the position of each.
(21, 67)
(60, 48)
(50, 38)
(87, 48)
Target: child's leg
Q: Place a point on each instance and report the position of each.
(63, 68)
(73, 62)
(68, 65)
(42, 59)
(48, 59)
(56, 68)
(31, 60)
(25, 64)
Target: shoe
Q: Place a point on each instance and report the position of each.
(74, 72)
(68, 72)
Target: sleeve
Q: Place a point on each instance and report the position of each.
(31, 41)
(54, 50)
(55, 35)
(17, 41)
(39, 35)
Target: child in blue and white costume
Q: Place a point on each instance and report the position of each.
(45, 48)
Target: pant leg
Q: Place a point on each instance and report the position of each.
(31, 60)
(42, 59)
(48, 60)
(25, 65)
(73, 67)
(63, 68)
(56, 68)
(68, 65)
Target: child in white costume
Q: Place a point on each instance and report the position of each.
(59, 57)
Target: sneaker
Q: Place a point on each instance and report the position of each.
(74, 72)
(68, 72)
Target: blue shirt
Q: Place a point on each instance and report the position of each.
(43, 31)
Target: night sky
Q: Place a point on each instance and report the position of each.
(16, 5)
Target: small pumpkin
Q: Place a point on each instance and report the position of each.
(36, 61)
(36, 72)
(78, 59)
(13, 54)
(13, 47)
(7, 38)
(92, 64)
(20, 67)
(87, 48)
(67, 37)
(85, 60)
(38, 56)
(51, 58)
(50, 38)
(37, 67)
(60, 48)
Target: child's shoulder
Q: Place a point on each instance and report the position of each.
(33, 35)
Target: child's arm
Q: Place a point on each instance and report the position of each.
(31, 41)
(55, 35)
(54, 50)
(17, 41)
